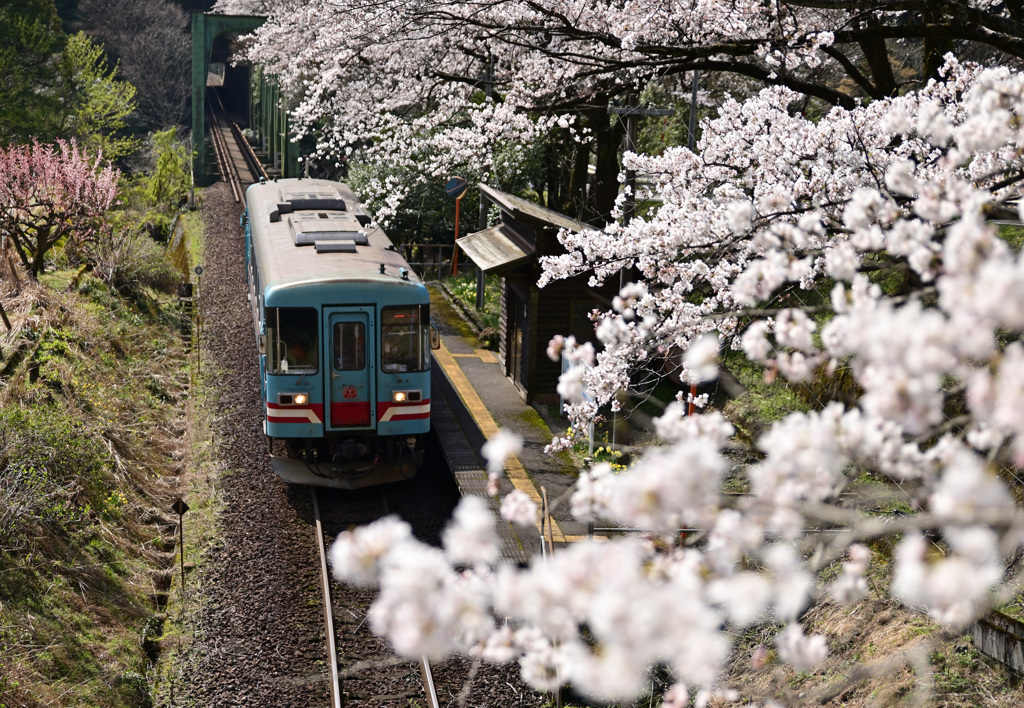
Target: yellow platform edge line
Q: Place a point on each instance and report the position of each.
(514, 469)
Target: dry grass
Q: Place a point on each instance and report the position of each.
(92, 393)
(880, 654)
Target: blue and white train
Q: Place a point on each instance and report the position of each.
(344, 337)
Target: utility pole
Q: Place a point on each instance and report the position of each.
(482, 223)
(630, 112)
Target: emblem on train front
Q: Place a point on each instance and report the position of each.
(349, 392)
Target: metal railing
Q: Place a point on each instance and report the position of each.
(430, 261)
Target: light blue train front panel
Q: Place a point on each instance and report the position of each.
(294, 367)
(347, 383)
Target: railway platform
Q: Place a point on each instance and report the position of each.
(470, 391)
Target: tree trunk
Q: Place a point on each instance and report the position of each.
(877, 56)
(935, 49)
(605, 186)
(574, 198)
(38, 260)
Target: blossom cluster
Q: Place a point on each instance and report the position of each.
(848, 199)
(858, 241)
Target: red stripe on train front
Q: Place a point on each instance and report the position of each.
(394, 412)
(313, 413)
(350, 413)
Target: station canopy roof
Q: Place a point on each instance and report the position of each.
(502, 247)
(493, 249)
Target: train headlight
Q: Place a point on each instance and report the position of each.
(399, 396)
(301, 399)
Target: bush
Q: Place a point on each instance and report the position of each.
(46, 461)
(130, 260)
(168, 185)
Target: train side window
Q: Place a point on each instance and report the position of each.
(405, 339)
(349, 346)
(292, 333)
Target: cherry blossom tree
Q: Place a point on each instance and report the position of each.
(406, 82)
(770, 206)
(854, 242)
(51, 195)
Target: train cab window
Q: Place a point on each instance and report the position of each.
(293, 341)
(405, 339)
(349, 346)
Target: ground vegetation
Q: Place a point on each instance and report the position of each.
(93, 376)
(91, 392)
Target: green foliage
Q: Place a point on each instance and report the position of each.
(955, 670)
(130, 261)
(130, 258)
(135, 687)
(426, 215)
(7, 685)
(656, 133)
(1013, 235)
(603, 450)
(78, 449)
(463, 289)
(56, 86)
(113, 504)
(613, 457)
(768, 399)
(47, 460)
(97, 104)
(167, 186)
(31, 37)
(50, 440)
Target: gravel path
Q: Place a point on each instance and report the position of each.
(259, 637)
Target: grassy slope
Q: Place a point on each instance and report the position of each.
(91, 402)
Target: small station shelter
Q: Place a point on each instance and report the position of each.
(530, 315)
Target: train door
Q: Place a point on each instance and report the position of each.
(351, 384)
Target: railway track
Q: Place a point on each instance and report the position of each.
(236, 160)
(359, 678)
(260, 628)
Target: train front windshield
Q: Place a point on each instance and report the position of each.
(293, 341)
(405, 339)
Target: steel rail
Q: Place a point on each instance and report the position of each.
(428, 683)
(220, 153)
(228, 169)
(255, 166)
(232, 168)
(425, 672)
(325, 580)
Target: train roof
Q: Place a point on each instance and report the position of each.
(312, 230)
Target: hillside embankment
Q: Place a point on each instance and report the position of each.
(94, 396)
